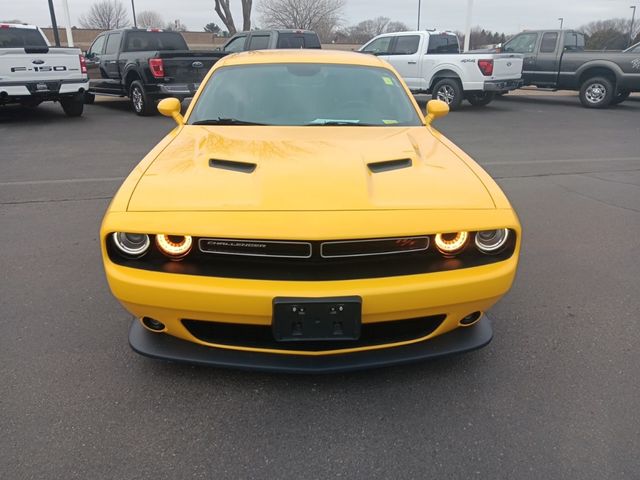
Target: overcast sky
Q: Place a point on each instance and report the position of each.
(497, 15)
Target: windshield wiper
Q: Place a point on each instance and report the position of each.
(350, 123)
(225, 121)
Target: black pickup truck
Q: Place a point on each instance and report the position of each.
(145, 65)
(556, 59)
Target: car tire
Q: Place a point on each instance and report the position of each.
(480, 99)
(449, 91)
(89, 98)
(597, 92)
(73, 106)
(620, 97)
(140, 102)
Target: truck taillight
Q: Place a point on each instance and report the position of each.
(83, 64)
(486, 67)
(157, 67)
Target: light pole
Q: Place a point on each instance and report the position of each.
(419, 2)
(467, 29)
(54, 24)
(633, 17)
(67, 20)
(561, 22)
(135, 22)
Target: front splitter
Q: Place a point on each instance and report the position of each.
(166, 347)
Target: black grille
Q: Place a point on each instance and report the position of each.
(260, 336)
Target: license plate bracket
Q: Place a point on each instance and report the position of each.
(316, 319)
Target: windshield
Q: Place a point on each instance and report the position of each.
(304, 94)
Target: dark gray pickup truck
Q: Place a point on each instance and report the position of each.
(145, 65)
(556, 59)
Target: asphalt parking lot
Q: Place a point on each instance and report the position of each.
(555, 395)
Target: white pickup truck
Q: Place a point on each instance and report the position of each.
(31, 72)
(430, 62)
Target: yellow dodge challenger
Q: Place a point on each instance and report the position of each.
(304, 216)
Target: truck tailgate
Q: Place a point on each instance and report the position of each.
(507, 66)
(16, 65)
(188, 66)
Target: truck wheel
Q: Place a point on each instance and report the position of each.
(596, 92)
(89, 98)
(73, 106)
(620, 97)
(480, 99)
(449, 91)
(140, 102)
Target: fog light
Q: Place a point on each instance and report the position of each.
(451, 243)
(492, 241)
(153, 324)
(132, 245)
(174, 246)
(470, 319)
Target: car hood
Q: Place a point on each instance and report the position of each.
(307, 168)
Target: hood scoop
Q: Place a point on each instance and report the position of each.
(387, 165)
(243, 167)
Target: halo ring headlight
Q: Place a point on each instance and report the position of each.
(451, 243)
(131, 245)
(491, 241)
(174, 246)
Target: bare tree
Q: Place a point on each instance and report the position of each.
(150, 19)
(611, 34)
(367, 29)
(176, 26)
(223, 9)
(323, 16)
(105, 15)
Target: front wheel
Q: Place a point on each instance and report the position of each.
(140, 102)
(480, 99)
(73, 106)
(449, 91)
(597, 92)
(89, 98)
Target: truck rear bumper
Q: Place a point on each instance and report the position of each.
(502, 85)
(46, 89)
(178, 89)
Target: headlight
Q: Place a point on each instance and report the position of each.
(174, 246)
(132, 245)
(492, 241)
(451, 243)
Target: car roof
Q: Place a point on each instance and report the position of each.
(301, 55)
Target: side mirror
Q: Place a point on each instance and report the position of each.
(170, 107)
(436, 109)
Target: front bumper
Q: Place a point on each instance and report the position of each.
(502, 85)
(166, 347)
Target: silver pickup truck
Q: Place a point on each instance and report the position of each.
(557, 59)
(32, 72)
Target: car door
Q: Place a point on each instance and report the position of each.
(236, 44)
(380, 47)
(110, 60)
(546, 66)
(259, 41)
(93, 58)
(404, 57)
(525, 43)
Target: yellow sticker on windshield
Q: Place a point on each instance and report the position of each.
(387, 80)
(389, 122)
